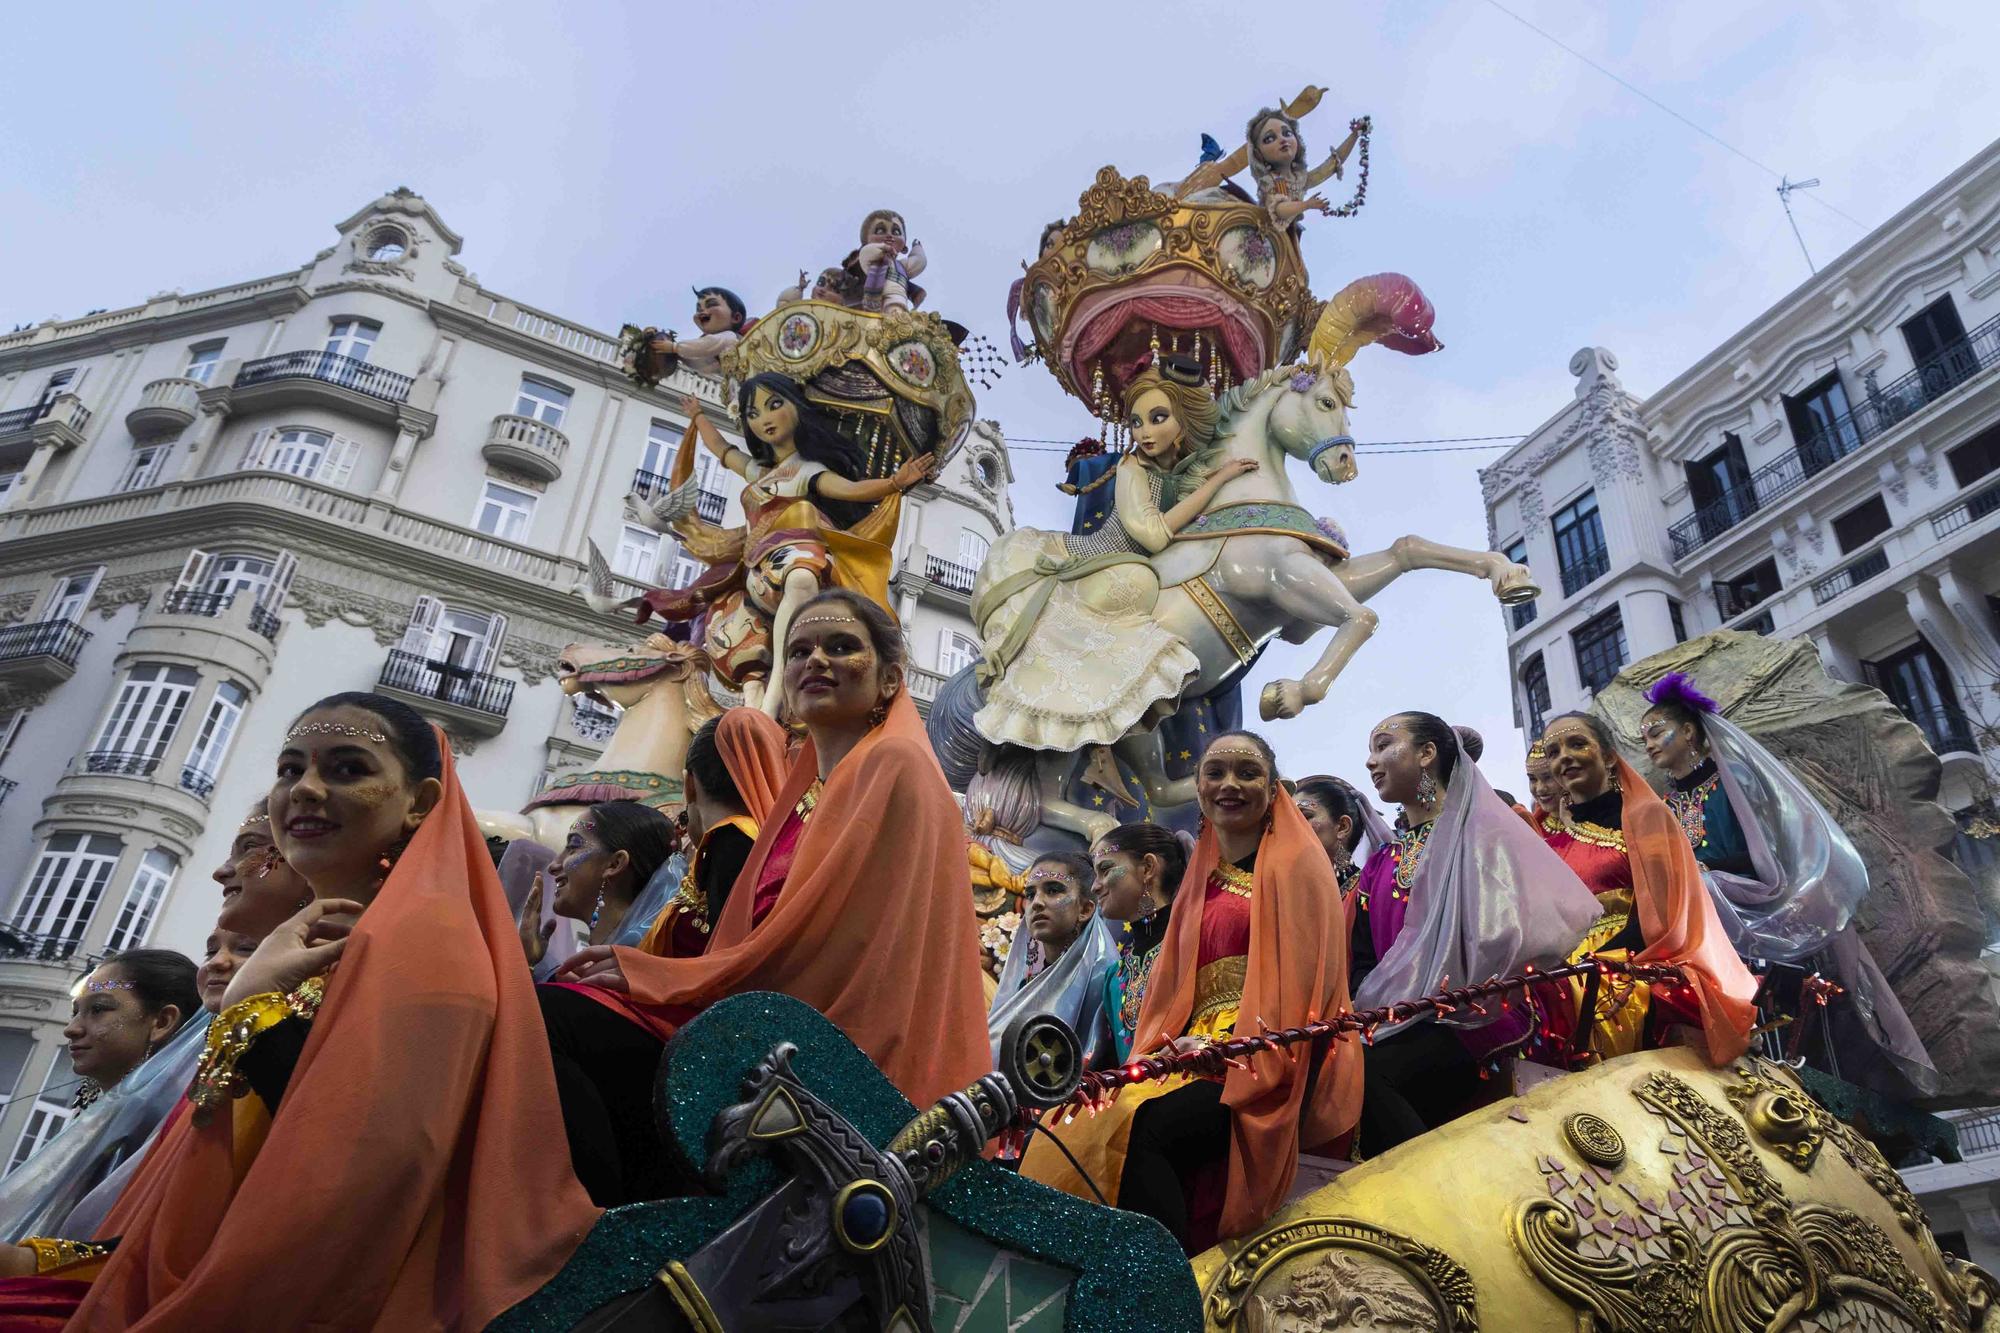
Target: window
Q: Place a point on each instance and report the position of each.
(66, 883)
(972, 548)
(1861, 525)
(71, 595)
(387, 244)
(1719, 485)
(1936, 338)
(149, 885)
(52, 1109)
(663, 441)
(956, 652)
(15, 1048)
(1919, 683)
(228, 575)
(542, 400)
(1600, 649)
(144, 468)
(1978, 457)
(203, 358)
(211, 743)
(504, 512)
(1535, 694)
(638, 554)
(1678, 619)
(1821, 424)
(1523, 614)
(441, 634)
(352, 338)
(143, 718)
(1580, 548)
(1734, 596)
(60, 383)
(10, 728)
(301, 451)
(9, 479)
(686, 570)
(1973, 854)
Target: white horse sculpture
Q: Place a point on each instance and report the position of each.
(662, 686)
(1256, 566)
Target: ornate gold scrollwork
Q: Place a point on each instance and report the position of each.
(1594, 1139)
(1783, 1116)
(1324, 1272)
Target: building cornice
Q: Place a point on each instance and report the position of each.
(259, 301)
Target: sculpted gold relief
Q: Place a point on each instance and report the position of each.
(1650, 1193)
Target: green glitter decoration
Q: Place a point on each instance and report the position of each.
(1129, 1275)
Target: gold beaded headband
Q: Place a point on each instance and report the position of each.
(248, 820)
(109, 985)
(1538, 752)
(823, 620)
(1063, 877)
(333, 729)
(1236, 751)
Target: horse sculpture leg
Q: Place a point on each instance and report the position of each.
(1366, 575)
(1141, 751)
(1059, 811)
(1307, 590)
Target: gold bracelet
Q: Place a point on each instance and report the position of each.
(52, 1254)
(233, 1032)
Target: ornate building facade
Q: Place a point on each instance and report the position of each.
(370, 473)
(1830, 472)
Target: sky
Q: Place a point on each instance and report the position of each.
(602, 159)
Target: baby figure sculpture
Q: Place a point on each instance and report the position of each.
(886, 262)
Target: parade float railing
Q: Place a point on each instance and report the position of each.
(1882, 408)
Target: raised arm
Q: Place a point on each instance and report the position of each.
(916, 468)
(1334, 161)
(736, 460)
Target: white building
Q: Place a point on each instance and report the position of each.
(368, 473)
(1831, 472)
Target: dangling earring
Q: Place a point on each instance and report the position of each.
(878, 714)
(1427, 790)
(598, 910)
(386, 862)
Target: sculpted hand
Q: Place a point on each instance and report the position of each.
(915, 468)
(302, 948)
(1234, 468)
(690, 405)
(594, 966)
(802, 282)
(1318, 203)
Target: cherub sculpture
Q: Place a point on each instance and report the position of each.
(720, 315)
(880, 270)
(1275, 152)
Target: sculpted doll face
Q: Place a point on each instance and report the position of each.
(1579, 761)
(771, 418)
(1233, 785)
(833, 675)
(1121, 883)
(1276, 144)
(343, 798)
(885, 229)
(826, 287)
(1673, 747)
(712, 314)
(1156, 432)
(1396, 762)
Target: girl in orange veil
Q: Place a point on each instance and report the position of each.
(1269, 941)
(411, 1175)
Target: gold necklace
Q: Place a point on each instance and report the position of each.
(1595, 835)
(1233, 880)
(808, 801)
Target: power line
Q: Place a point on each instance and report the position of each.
(1452, 445)
(1639, 92)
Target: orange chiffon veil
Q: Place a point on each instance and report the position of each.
(1297, 972)
(416, 1175)
(1680, 921)
(875, 926)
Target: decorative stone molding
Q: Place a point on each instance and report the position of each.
(513, 478)
(185, 828)
(24, 1002)
(15, 606)
(321, 602)
(98, 809)
(462, 746)
(127, 590)
(536, 661)
(12, 697)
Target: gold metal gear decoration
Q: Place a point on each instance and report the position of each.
(1594, 1139)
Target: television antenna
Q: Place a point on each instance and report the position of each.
(1785, 187)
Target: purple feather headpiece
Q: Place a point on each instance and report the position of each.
(1677, 687)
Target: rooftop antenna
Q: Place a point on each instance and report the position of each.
(1785, 187)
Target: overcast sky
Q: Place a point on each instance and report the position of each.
(600, 159)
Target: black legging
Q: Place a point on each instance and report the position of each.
(1172, 1137)
(605, 1066)
(1413, 1081)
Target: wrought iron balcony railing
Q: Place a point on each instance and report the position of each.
(652, 485)
(197, 781)
(125, 763)
(1850, 576)
(327, 368)
(190, 602)
(1594, 565)
(1882, 408)
(60, 639)
(447, 683)
(1946, 729)
(1966, 512)
(264, 621)
(950, 574)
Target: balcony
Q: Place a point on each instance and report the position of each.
(1966, 512)
(197, 782)
(1850, 576)
(949, 574)
(924, 686)
(1946, 729)
(122, 763)
(651, 486)
(44, 653)
(1883, 407)
(165, 406)
(591, 722)
(1594, 565)
(1731, 602)
(59, 422)
(19, 944)
(527, 446)
(190, 602)
(448, 693)
(264, 620)
(319, 377)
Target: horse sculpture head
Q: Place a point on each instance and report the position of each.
(625, 674)
(1309, 420)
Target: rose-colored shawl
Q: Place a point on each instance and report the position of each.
(1680, 922)
(1297, 972)
(875, 927)
(415, 1175)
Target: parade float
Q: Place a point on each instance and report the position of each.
(1649, 1192)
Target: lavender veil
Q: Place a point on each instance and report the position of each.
(1489, 898)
